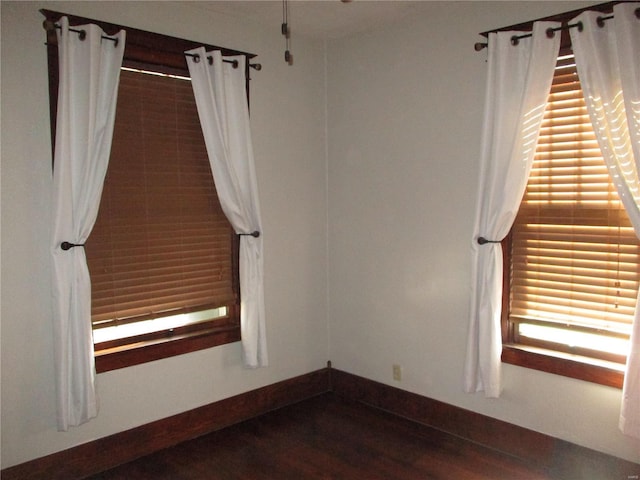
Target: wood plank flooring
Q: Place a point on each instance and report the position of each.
(326, 437)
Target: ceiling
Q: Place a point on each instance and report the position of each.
(317, 19)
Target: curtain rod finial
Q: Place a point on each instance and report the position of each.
(48, 25)
(480, 46)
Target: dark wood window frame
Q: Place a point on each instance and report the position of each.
(161, 53)
(534, 357)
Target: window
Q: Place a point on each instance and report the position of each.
(572, 274)
(162, 256)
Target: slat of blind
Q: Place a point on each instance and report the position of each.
(192, 252)
(567, 120)
(593, 309)
(563, 78)
(564, 104)
(156, 276)
(598, 261)
(161, 244)
(592, 217)
(549, 264)
(566, 142)
(550, 128)
(571, 315)
(592, 251)
(575, 237)
(587, 281)
(192, 282)
(171, 298)
(585, 259)
(575, 311)
(579, 289)
(559, 262)
(545, 164)
(565, 94)
(574, 252)
(571, 154)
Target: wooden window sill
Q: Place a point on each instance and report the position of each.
(147, 351)
(573, 366)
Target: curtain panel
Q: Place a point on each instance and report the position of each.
(88, 82)
(608, 63)
(219, 89)
(519, 79)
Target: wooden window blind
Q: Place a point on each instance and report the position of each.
(161, 244)
(574, 254)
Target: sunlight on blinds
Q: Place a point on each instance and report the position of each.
(575, 275)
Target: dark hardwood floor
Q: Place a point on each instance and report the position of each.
(327, 437)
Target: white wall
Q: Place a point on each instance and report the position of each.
(405, 110)
(287, 109)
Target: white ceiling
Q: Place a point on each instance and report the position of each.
(318, 19)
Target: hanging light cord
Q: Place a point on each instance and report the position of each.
(286, 31)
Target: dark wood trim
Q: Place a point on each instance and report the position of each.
(108, 452)
(497, 434)
(505, 324)
(566, 367)
(157, 349)
(560, 458)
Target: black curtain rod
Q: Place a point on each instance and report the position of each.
(551, 32)
(600, 21)
(196, 58)
(50, 26)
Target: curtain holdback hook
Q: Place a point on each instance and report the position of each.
(68, 245)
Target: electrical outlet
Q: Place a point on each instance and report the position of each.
(397, 372)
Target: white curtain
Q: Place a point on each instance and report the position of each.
(221, 98)
(608, 63)
(519, 79)
(88, 83)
